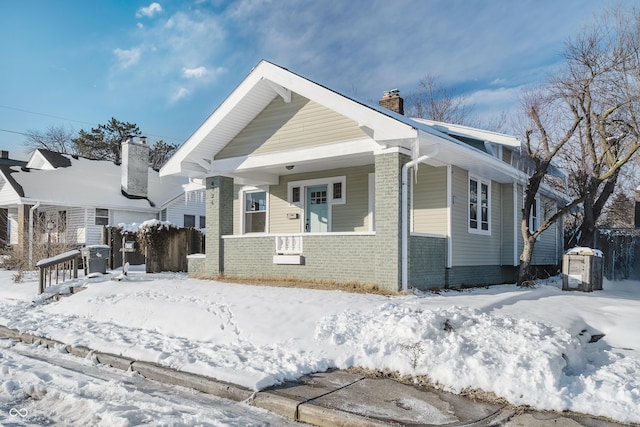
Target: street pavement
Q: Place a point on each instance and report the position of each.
(340, 398)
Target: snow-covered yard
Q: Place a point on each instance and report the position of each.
(529, 346)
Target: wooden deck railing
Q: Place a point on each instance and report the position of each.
(63, 263)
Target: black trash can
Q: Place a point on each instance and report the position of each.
(95, 258)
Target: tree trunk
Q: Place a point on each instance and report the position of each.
(525, 270)
(593, 207)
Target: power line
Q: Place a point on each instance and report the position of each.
(71, 120)
(46, 115)
(14, 131)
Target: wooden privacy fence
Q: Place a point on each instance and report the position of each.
(160, 248)
(171, 253)
(66, 264)
(621, 249)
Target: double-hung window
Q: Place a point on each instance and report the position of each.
(534, 215)
(102, 216)
(255, 211)
(479, 206)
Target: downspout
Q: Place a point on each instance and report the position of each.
(405, 219)
(31, 211)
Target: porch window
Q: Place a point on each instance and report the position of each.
(102, 216)
(337, 190)
(336, 186)
(479, 206)
(203, 221)
(255, 212)
(295, 195)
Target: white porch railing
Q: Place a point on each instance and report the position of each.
(288, 245)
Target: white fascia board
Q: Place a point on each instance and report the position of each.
(240, 163)
(481, 134)
(174, 165)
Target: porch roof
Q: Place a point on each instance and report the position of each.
(384, 128)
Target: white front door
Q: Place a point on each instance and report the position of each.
(316, 209)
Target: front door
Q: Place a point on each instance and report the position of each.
(316, 212)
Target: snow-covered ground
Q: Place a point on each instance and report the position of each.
(530, 346)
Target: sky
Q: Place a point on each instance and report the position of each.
(167, 65)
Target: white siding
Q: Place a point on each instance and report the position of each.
(194, 205)
(130, 217)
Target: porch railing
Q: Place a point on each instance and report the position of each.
(288, 245)
(65, 263)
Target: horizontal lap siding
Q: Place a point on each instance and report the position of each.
(544, 252)
(471, 248)
(194, 205)
(430, 200)
(351, 216)
(298, 124)
(508, 231)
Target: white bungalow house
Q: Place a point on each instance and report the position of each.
(304, 182)
(68, 199)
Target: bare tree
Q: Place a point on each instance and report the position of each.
(160, 153)
(546, 133)
(589, 113)
(54, 138)
(434, 101)
(602, 83)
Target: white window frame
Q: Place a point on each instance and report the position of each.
(329, 181)
(96, 216)
(241, 197)
(478, 229)
(534, 220)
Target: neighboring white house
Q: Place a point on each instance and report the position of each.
(69, 199)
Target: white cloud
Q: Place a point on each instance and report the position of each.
(195, 73)
(149, 11)
(127, 57)
(182, 92)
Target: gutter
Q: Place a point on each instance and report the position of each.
(31, 210)
(405, 219)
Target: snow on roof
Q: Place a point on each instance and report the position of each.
(94, 183)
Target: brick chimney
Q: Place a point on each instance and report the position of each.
(392, 100)
(135, 168)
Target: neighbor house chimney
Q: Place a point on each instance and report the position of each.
(135, 168)
(4, 154)
(392, 100)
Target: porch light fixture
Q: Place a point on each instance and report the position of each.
(289, 167)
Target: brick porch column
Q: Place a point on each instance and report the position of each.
(388, 211)
(219, 218)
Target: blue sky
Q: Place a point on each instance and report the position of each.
(167, 65)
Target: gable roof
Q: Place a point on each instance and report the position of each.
(385, 128)
(84, 183)
(47, 159)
